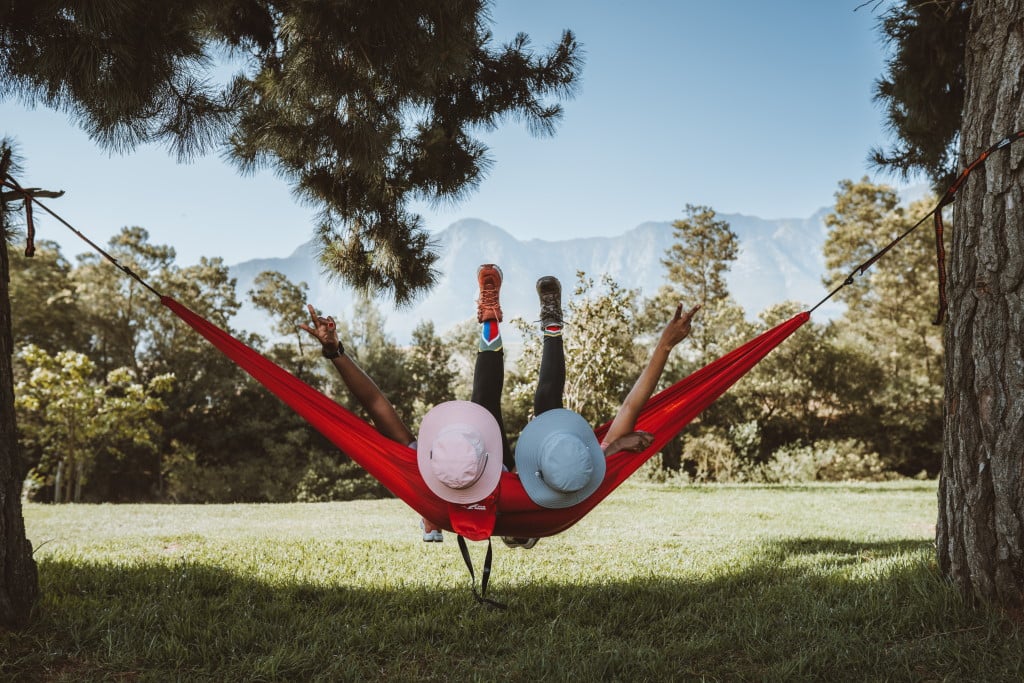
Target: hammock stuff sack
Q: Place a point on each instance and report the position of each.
(394, 464)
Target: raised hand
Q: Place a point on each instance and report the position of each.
(323, 329)
(678, 328)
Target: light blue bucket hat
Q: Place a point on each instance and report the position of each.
(559, 459)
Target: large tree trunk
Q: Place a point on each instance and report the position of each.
(980, 536)
(19, 584)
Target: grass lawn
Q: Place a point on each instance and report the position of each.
(823, 582)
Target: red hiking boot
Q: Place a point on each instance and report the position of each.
(488, 306)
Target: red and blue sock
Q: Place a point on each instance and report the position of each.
(490, 336)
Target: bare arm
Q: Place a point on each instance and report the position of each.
(620, 435)
(381, 411)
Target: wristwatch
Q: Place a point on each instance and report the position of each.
(332, 354)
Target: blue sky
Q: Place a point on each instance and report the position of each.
(746, 106)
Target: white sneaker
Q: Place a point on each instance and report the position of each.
(434, 536)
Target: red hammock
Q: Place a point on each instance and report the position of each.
(394, 464)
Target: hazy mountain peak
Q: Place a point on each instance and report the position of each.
(779, 260)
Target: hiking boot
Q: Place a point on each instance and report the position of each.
(549, 289)
(524, 543)
(488, 307)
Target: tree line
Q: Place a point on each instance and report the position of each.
(116, 400)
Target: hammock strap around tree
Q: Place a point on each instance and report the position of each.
(940, 249)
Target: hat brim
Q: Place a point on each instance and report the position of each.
(528, 452)
(480, 420)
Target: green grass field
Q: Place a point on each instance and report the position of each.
(823, 582)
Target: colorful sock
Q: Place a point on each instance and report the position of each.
(553, 330)
(490, 336)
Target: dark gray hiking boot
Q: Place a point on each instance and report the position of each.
(549, 289)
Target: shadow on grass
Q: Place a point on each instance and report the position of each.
(801, 609)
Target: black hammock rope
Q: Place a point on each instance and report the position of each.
(940, 251)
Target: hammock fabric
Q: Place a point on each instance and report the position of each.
(394, 464)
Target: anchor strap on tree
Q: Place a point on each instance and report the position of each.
(940, 250)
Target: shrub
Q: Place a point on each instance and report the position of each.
(326, 479)
(713, 458)
(845, 460)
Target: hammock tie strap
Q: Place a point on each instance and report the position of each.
(8, 181)
(940, 250)
(485, 575)
(30, 228)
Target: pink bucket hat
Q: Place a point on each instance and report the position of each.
(459, 451)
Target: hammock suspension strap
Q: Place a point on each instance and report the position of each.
(30, 197)
(940, 250)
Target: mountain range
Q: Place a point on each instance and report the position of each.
(778, 260)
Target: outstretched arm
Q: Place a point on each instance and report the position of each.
(381, 411)
(620, 435)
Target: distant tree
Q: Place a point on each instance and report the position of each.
(890, 308)
(120, 312)
(980, 540)
(431, 371)
(275, 294)
(44, 296)
(702, 252)
(71, 418)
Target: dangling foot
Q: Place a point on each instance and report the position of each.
(549, 289)
(524, 543)
(488, 306)
(431, 534)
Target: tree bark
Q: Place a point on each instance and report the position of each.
(980, 535)
(19, 583)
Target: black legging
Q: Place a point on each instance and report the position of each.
(489, 380)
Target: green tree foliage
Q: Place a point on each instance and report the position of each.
(817, 385)
(121, 314)
(890, 309)
(430, 370)
(129, 327)
(362, 106)
(70, 419)
(923, 87)
(701, 254)
(280, 299)
(48, 312)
